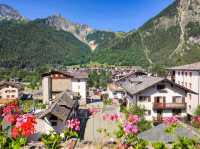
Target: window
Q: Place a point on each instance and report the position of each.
(179, 73)
(53, 119)
(182, 73)
(186, 84)
(178, 99)
(160, 86)
(144, 98)
(13, 96)
(159, 99)
(54, 123)
(8, 96)
(189, 107)
(190, 74)
(186, 74)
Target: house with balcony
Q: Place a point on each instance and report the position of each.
(188, 76)
(10, 90)
(160, 97)
(56, 82)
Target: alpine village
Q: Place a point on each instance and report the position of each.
(65, 85)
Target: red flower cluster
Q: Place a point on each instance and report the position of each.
(11, 108)
(22, 125)
(25, 126)
(73, 124)
(196, 121)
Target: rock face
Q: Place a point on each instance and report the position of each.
(8, 13)
(93, 38)
(81, 31)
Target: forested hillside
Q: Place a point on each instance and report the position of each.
(32, 44)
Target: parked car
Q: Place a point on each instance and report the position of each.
(27, 96)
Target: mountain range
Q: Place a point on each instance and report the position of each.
(170, 38)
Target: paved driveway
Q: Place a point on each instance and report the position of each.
(96, 122)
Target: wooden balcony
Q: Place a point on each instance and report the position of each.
(162, 106)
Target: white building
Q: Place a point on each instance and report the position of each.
(189, 77)
(114, 91)
(10, 90)
(159, 96)
(55, 82)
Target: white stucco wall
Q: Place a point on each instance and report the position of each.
(9, 93)
(152, 92)
(80, 86)
(115, 95)
(194, 80)
(46, 89)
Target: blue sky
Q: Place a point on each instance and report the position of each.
(116, 15)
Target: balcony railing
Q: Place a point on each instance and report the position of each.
(160, 106)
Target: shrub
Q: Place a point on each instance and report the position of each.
(159, 145)
(52, 140)
(184, 143)
(197, 111)
(107, 101)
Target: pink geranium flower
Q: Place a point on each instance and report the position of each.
(134, 119)
(73, 124)
(170, 120)
(10, 118)
(130, 128)
(111, 117)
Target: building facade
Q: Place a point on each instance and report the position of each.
(160, 97)
(189, 77)
(10, 90)
(55, 82)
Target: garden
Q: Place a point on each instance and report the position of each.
(17, 127)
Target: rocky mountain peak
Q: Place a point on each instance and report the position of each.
(9, 13)
(60, 23)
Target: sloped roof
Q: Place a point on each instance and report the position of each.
(193, 66)
(138, 84)
(158, 133)
(133, 74)
(74, 74)
(8, 83)
(61, 107)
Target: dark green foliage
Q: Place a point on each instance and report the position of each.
(102, 38)
(99, 79)
(197, 111)
(185, 143)
(127, 51)
(159, 145)
(33, 44)
(193, 29)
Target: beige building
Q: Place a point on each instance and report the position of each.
(10, 90)
(55, 82)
